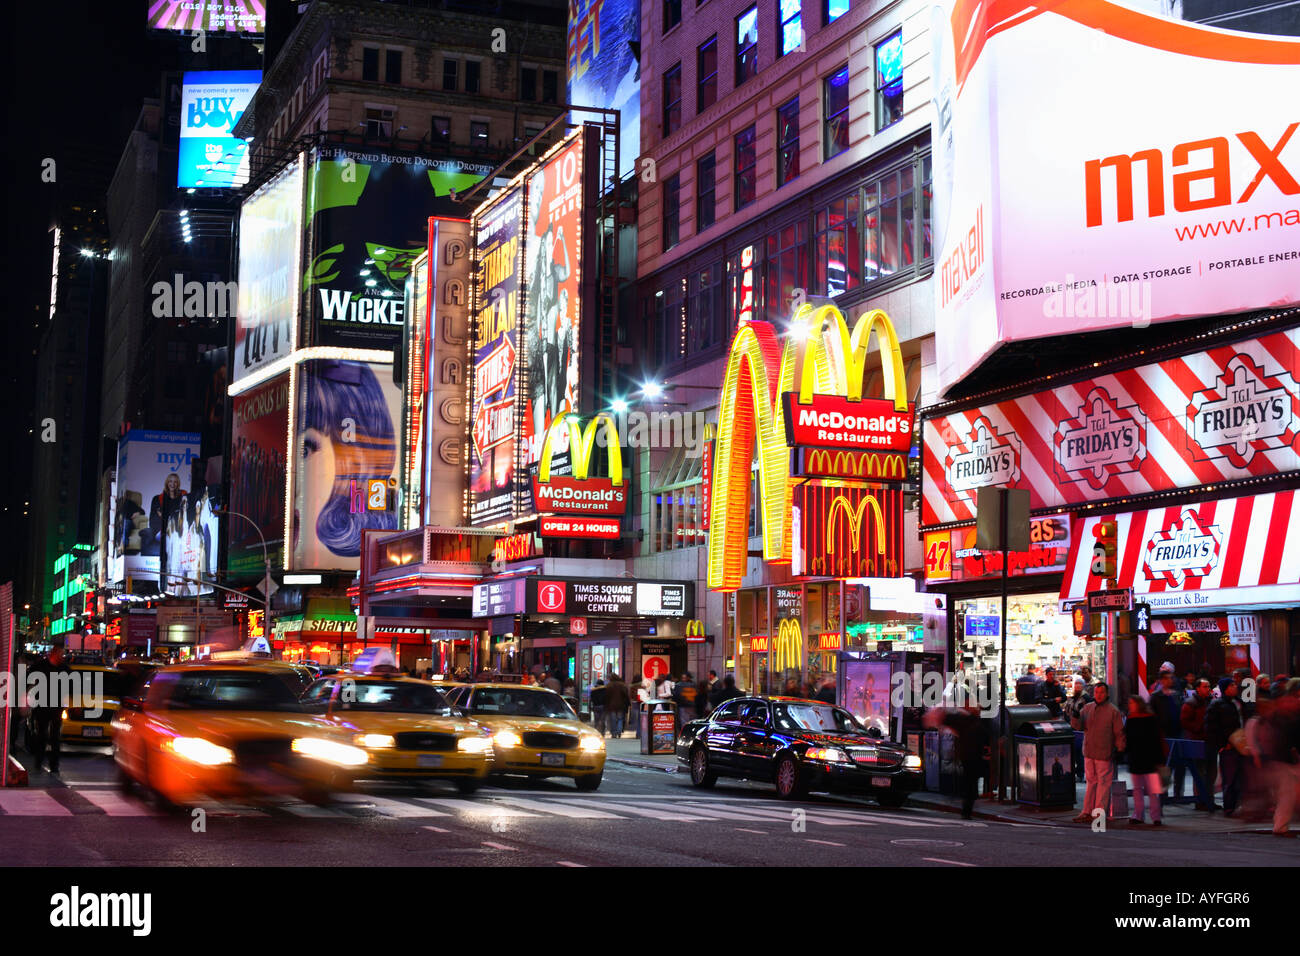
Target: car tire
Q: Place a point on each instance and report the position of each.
(588, 783)
(891, 800)
(789, 782)
(701, 775)
(125, 782)
(468, 787)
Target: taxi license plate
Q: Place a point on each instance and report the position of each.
(552, 760)
(881, 782)
(92, 731)
(428, 760)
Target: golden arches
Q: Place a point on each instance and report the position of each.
(580, 445)
(854, 518)
(787, 652)
(842, 371)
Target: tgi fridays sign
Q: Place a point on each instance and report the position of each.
(1223, 413)
(1189, 548)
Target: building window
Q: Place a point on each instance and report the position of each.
(677, 502)
(665, 313)
(478, 134)
(706, 181)
(672, 14)
(550, 86)
(450, 71)
(746, 157)
(747, 45)
(673, 100)
(789, 12)
(744, 287)
(835, 109)
(393, 67)
(472, 70)
(672, 210)
(379, 122)
(704, 329)
(440, 129)
(896, 222)
(528, 84)
(834, 9)
(787, 268)
(889, 81)
(787, 142)
(370, 64)
(838, 247)
(706, 74)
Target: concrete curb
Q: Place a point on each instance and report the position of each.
(646, 764)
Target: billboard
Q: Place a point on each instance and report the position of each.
(1225, 413)
(211, 156)
(154, 507)
(258, 449)
(214, 16)
(269, 251)
(345, 465)
(1120, 217)
(367, 221)
(552, 301)
(603, 68)
(499, 259)
(188, 555)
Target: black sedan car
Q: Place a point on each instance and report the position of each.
(800, 745)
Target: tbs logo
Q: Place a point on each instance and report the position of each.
(377, 495)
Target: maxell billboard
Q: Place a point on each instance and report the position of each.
(1170, 192)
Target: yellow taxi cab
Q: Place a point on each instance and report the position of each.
(100, 691)
(407, 728)
(230, 728)
(534, 732)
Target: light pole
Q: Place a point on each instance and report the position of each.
(266, 562)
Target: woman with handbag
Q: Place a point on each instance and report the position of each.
(1146, 760)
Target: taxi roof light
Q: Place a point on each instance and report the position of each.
(375, 660)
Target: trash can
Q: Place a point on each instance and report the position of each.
(659, 727)
(1043, 750)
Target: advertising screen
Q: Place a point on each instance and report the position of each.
(188, 555)
(552, 269)
(368, 220)
(215, 16)
(346, 472)
(211, 156)
(1121, 217)
(496, 351)
(155, 507)
(259, 446)
(603, 67)
(269, 252)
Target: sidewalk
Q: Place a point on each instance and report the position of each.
(627, 750)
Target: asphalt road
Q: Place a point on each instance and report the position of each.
(638, 817)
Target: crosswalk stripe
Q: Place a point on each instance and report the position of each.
(116, 805)
(735, 813)
(311, 810)
(561, 810)
(855, 816)
(400, 809)
(651, 812)
(31, 803)
(784, 816)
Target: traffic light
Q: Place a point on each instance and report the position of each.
(1105, 548)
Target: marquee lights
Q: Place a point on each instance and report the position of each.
(759, 371)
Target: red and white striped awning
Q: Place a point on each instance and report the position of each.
(1187, 559)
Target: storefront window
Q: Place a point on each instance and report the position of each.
(676, 518)
(838, 247)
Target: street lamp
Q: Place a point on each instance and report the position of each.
(266, 561)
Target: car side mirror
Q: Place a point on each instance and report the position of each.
(755, 722)
(874, 732)
(462, 711)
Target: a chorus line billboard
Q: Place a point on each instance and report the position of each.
(1166, 190)
(258, 451)
(211, 156)
(367, 217)
(214, 16)
(1226, 413)
(269, 248)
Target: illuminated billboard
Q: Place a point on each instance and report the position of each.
(155, 510)
(1182, 205)
(211, 156)
(214, 16)
(268, 268)
(603, 68)
(258, 449)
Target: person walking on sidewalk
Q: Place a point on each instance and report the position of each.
(616, 701)
(684, 697)
(1192, 721)
(1146, 754)
(1167, 706)
(972, 747)
(47, 712)
(1223, 718)
(1103, 735)
(1284, 767)
(724, 692)
(598, 695)
(1072, 709)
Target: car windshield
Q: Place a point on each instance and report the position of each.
(114, 684)
(230, 690)
(818, 717)
(396, 697)
(508, 702)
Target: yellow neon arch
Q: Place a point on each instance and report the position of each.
(854, 518)
(580, 445)
(843, 372)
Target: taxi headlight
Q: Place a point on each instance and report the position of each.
(829, 754)
(911, 762)
(65, 715)
(201, 751)
(331, 751)
(375, 741)
(507, 738)
(474, 745)
(591, 744)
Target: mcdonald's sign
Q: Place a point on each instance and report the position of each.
(828, 360)
(580, 493)
(848, 531)
(695, 632)
(846, 463)
(787, 652)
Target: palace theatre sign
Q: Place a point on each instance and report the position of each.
(830, 461)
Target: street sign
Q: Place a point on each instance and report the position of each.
(1119, 600)
(993, 506)
(653, 668)
(578, 625)
(1142, 619)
